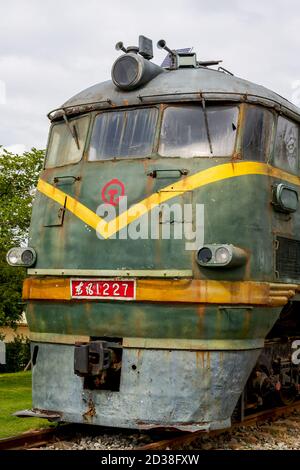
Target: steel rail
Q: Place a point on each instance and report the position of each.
(249, 420)
(36, 438)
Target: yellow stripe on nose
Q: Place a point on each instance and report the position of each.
(190, 183)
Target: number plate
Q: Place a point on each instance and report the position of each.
(102, 289)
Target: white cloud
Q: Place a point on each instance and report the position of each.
(51, 50)
(17, 148)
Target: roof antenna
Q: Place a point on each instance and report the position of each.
(163, 45)
(120, 47)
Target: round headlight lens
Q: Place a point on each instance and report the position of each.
(204, 255)
(125, 71)
(27, 258)
(222, 255)
(13, 256)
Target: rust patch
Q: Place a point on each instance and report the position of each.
(208, 359)
(203, 359)
(201, 318)
(247, 274)
(149, 185)
(90, 412)
(138, 324)
(236, 156)
(200, 359)
(247, 323)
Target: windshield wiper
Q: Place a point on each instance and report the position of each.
(206, 126)
(73, 131)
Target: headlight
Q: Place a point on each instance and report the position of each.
(28, 257)
(204, 255)
(213, 256)
(131, 71)
(285, 198)
(125, 71)
(222, 255)
(13, 256)
(21, 257)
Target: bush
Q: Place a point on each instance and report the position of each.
(17, 354)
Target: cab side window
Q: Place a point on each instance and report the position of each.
(286, 150)
(257, 133)
(66, 143)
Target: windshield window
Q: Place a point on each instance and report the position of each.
(184, 131)
(121, 134)
(63, 146)
(257, 133)
(286, 145)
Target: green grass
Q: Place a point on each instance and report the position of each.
(15, 395)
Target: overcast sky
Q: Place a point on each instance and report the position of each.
(52, 49)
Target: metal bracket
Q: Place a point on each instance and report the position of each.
(92, 358)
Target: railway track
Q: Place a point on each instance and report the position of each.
(41, 438)
(37, 438)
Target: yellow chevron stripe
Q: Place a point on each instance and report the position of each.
(197, 180)
(74, 206)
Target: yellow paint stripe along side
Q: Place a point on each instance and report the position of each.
(197, 180)
(179, 290)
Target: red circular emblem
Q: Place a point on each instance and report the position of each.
(112, 191)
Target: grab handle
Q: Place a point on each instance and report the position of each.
(173, 173)
(57, 179)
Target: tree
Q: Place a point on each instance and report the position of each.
(18, 179)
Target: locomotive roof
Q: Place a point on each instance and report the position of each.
(177, 85)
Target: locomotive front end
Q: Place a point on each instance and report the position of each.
(152, 277)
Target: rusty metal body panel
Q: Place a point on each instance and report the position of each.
(188, 390)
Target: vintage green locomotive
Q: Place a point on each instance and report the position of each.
(164, 248)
